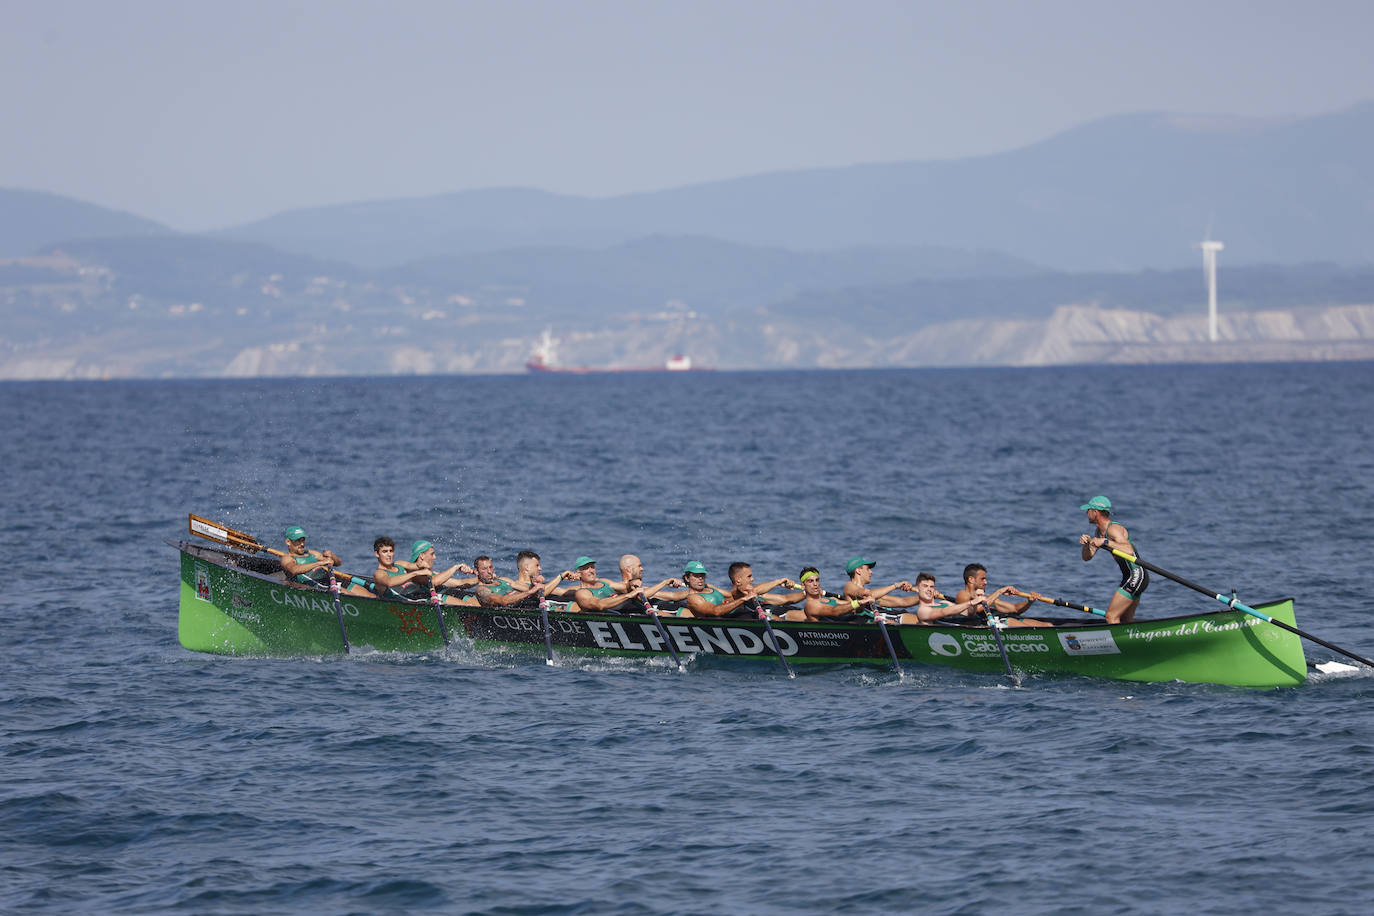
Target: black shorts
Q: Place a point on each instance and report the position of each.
(1134, 581)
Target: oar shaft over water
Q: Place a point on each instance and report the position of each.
(1238, 605)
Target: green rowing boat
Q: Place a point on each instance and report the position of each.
(235, 603)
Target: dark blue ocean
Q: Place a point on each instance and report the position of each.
(140, 777)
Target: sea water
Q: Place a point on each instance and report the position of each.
(140, 777)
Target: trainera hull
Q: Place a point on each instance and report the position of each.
(229, 610)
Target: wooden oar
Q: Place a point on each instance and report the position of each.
(1237, 605)
(211, 531)
(777, 646)
(1059, 602)
(223, 534)
(662, 632)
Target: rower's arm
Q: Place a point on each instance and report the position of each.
(588, 602)
(703, 608)
(815, 607)
(885, 590)
(487, 598)
(295, 567)
(443, 577)
(652, 592)
(928, 614)
(390, 580)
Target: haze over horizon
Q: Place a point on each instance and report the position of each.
(208, 115)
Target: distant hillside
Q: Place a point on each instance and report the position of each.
(704, 273)
(189, 268)
(548, 283)
(31, 220)
(1121, 193)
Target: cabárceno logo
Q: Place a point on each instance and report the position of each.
(944, 644)
(980, 644)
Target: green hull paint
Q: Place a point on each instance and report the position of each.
(230, 611)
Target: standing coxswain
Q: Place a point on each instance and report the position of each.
(1114, 536)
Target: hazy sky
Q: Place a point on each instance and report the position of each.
(205, 114)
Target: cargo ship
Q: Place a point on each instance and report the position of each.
(543, 359)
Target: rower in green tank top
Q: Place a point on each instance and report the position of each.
(311, 567)
(393, 579)
(705, 600)
(494, 591)
(422, 556)
(593, 595)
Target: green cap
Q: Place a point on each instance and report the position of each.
(856, 563)
(694, 567)
(1100, 503)
(583, 561)
(418, 548)
(295, 533)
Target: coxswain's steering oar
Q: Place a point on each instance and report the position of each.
(777, 646)
(1235, 604)
(1058, 602)
(338, 607)
(662, 632)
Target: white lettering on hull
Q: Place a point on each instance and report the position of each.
(714, 640)
(305, 601)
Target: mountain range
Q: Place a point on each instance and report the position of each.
(1081, 243)
(1129, 192)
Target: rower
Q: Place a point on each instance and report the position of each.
(422, 556)
(705, 600)
(975, 587)
(1114, 536)
(860, 572)
(311, 567)
(497, 591)
(819, 606)
(594, 595)
(742, 584)
(393, 579)
(932, 606)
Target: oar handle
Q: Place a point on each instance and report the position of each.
(1058, 602)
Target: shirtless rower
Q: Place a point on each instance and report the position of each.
(392, 579)
(632, 577)
(860, 572)
(1114, 536)
(705, 600)
(932, 606)
(976, 585)
(311, 567)
(496, 591)
(742, 582)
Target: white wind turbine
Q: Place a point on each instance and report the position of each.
(1209, 268)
